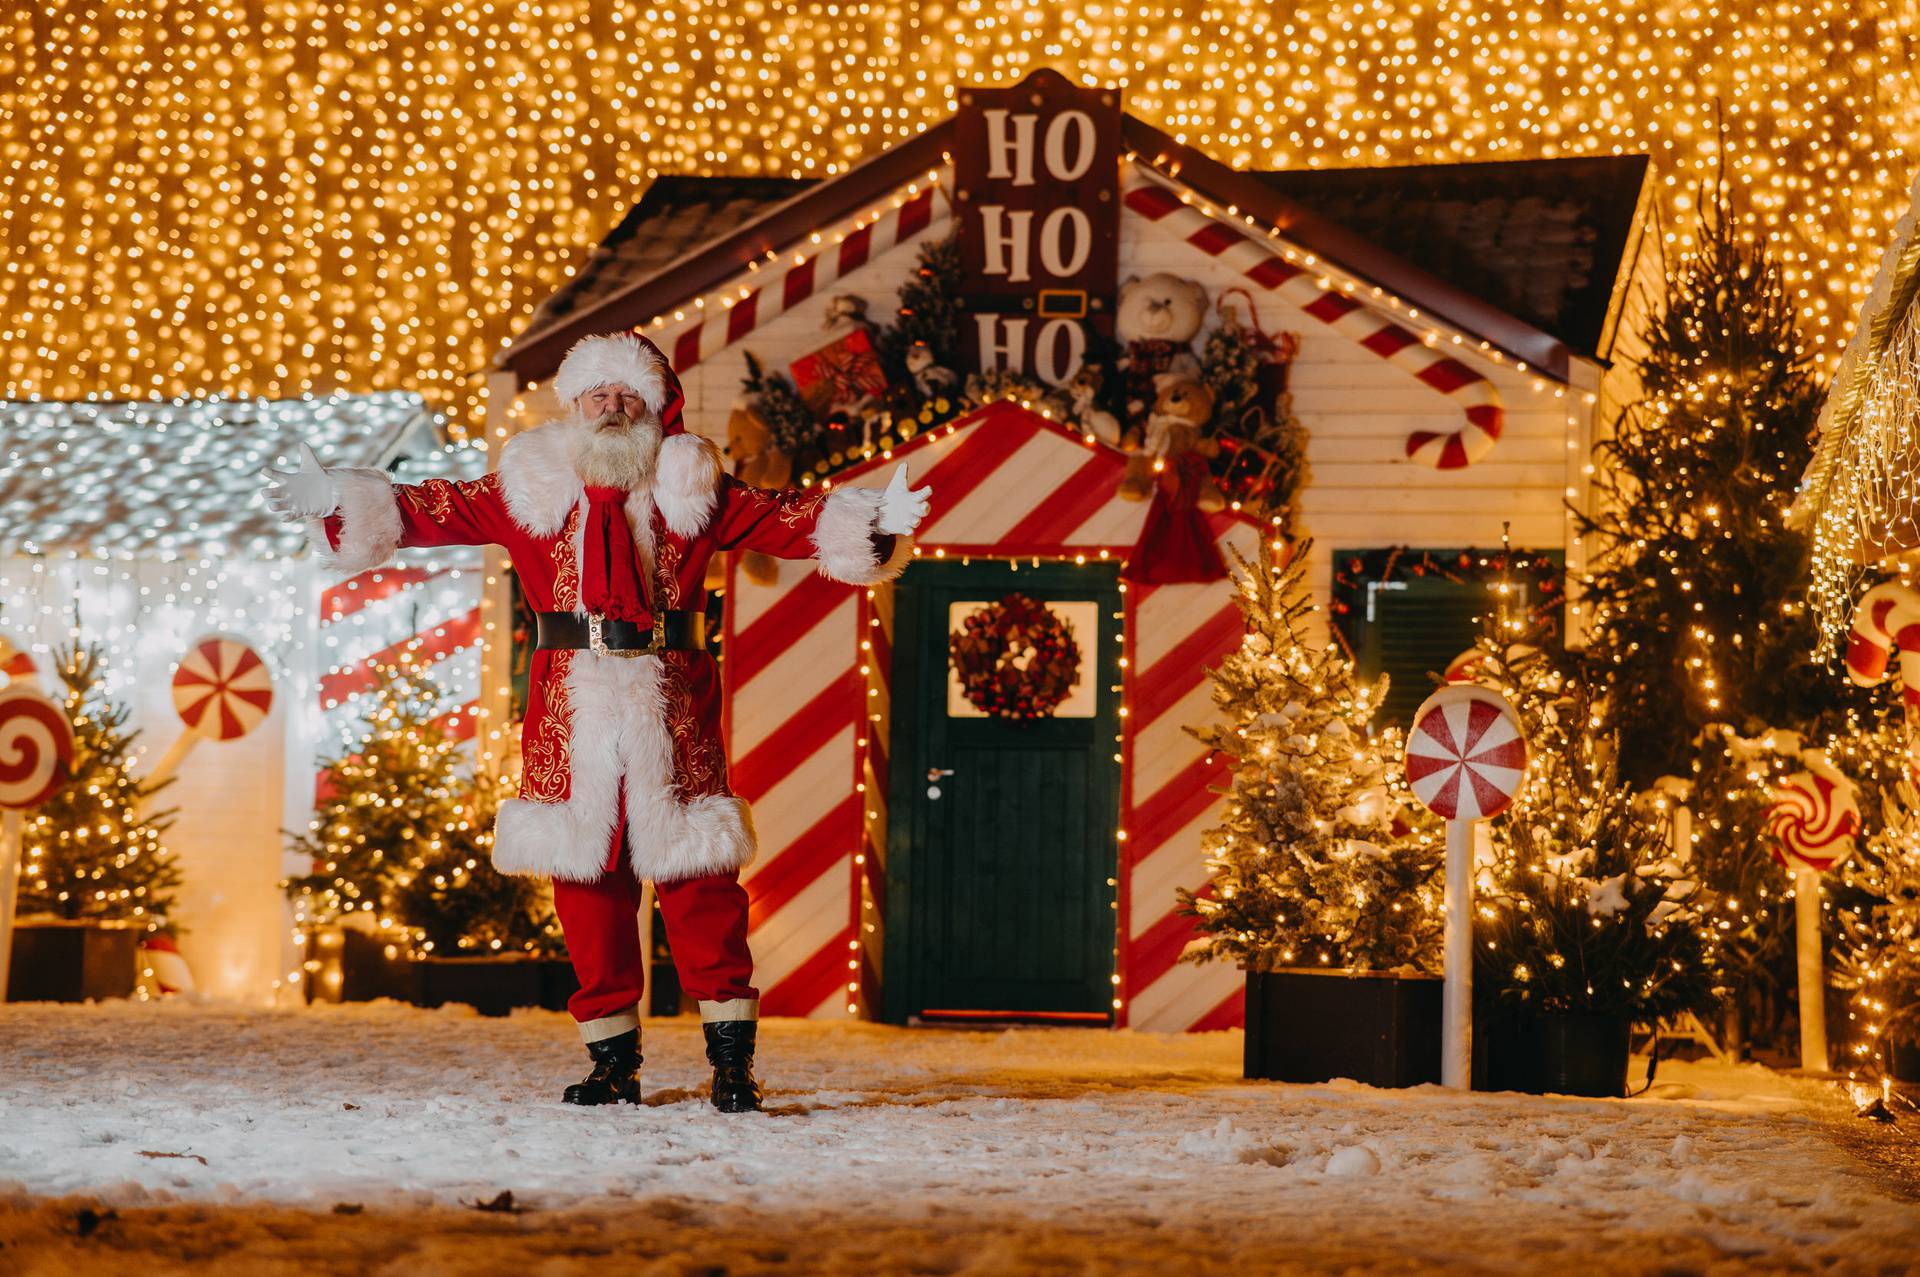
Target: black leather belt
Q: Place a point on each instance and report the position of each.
(671, 632)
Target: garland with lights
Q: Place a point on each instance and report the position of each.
(1016, 659)
(1321, 858)
(92, 850)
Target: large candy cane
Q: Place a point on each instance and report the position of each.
(1887, 617)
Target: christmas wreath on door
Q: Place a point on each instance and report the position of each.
(1016, 659)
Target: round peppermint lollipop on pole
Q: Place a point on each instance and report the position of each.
(1814, 819)
(36, 758)
(1465, 760)
(221, 691)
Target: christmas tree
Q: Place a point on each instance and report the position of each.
(453, 901)
(1586, 907)
(392, 795)
(929, 310)
(403, 838)
(93, 850)
(1314, 863)
(1696, 598)
(1878, 956)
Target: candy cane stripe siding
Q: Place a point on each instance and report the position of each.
(1153, 201)
(370, 619)
(783, 289)
(1006, 483)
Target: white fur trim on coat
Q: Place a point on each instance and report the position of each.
(538, 479)
(369, 521)
(843, 539)
(687, 480)
(614, 359)
(617, 729)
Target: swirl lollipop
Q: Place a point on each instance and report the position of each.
(1814, 818)
(36, 758)
(1466, 757)
(221, 691)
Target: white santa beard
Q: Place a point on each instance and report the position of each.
(618, 458)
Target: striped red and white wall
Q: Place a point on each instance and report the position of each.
(429, 605)
(808, 708)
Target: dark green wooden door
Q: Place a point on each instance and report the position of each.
(1001, 854)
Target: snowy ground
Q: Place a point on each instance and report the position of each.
(160, 1139)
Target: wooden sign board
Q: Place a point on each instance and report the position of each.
(1037, 187)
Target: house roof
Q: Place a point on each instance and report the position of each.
(170, 477)
(1541, 239)
(1524, 254)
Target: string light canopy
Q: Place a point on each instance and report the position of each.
(165, 478)
(308, 196)
(1861, 493)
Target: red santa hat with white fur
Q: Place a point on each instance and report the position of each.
(623, 359)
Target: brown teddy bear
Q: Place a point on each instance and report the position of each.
(754, 458)
(1176, 429)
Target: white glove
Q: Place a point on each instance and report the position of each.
(306, 493)
(902, 509)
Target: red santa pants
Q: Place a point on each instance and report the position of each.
(706, 921)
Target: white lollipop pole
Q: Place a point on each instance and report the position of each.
(1813, 990)
(1456, 1049)
(1815, 816)
(1465, 760)
(10, 823)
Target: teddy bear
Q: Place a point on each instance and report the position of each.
(1084, 394)
(1156, 322)
(1176, 430)
(755, 458)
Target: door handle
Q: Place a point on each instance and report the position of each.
(933, 781)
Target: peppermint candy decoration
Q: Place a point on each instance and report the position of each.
(36, 747)
(1465, 755)
(1815, 815)
(222, 689)
(1887, 617)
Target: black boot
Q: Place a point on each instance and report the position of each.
(730, 1051)
(616, 1072)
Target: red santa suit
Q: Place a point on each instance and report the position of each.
(624, 774)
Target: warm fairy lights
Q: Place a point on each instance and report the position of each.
(360, 195)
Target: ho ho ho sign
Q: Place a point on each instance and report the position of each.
(1037, 184)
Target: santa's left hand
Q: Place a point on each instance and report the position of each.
(902, 508)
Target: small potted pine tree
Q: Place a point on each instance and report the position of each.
(97, 876)
(1325, 880)
(1587, 921)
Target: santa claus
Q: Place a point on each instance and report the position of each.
(610, 515)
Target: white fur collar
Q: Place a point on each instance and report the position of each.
(542, 487)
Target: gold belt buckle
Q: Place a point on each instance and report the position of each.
(597, 641)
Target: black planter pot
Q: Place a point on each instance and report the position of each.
(1550, 1053)
(1903, 1060)
(60, 961)
(1306, 1025)
(493, 986)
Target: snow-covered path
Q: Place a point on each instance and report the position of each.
(348, 1140)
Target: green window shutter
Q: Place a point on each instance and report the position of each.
(1411, 630)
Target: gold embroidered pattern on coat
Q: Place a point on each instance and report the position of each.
(666, 574)
(434, 498)
(566, 568)
(697, 768)
(547, 755)
(794, 511)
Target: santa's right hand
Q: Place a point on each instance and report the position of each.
(306, 493)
